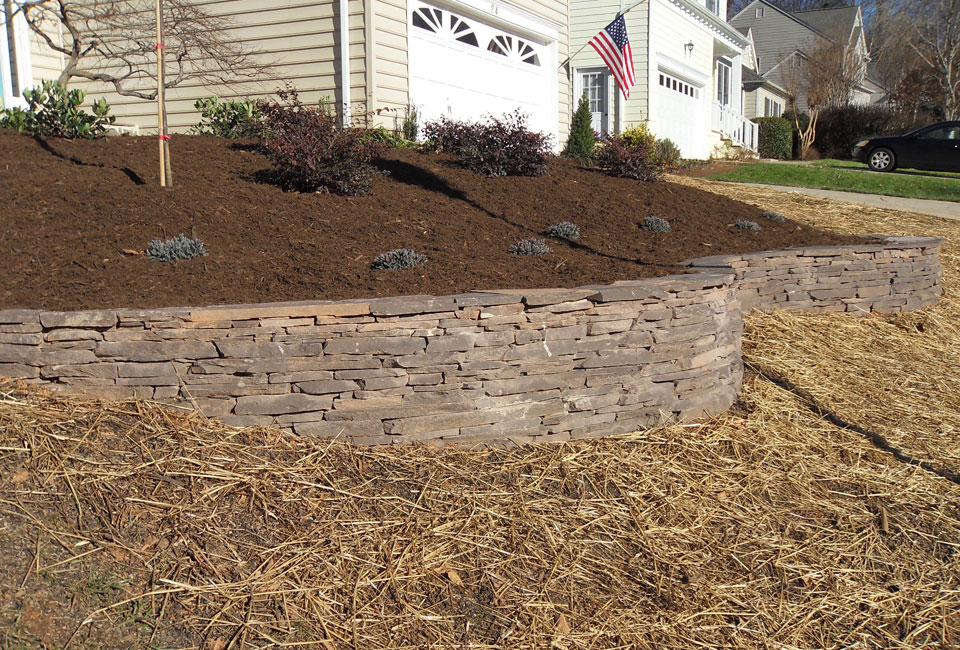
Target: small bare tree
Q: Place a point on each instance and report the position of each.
(917, 49)
(112, 41)
(823, 76)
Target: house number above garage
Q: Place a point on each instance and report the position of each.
(446, 24)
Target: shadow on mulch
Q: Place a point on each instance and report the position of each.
(71, 208)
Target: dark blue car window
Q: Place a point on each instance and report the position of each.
(943, 133)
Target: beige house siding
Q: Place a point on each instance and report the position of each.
(753, 102)
(557, 11)
(299, 40)
(390, 82)
(750, 104)
(45, 63)
(587, 18)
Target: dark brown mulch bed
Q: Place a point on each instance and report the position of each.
(69, 208)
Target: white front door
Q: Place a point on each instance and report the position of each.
(466, 69)
(594, 82)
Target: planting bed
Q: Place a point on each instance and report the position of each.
(69, 209)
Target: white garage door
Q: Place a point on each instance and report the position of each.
(680, 115)
(466, 69)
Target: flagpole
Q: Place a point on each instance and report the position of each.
(619, 100)
(582, 47)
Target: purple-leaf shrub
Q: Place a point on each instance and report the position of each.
(313, 152)
(639, 159)
(498, 147)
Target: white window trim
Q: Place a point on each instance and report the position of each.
(484, 34)
(24, 67)
(729, 87)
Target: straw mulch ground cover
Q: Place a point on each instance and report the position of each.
(779, 525)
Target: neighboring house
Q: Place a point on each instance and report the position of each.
(688, 63)
(781, 41)
(460, 58)
(761, 96)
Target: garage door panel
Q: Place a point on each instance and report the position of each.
(464, 69)
(680, 113)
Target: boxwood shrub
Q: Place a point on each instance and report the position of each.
(775, 137)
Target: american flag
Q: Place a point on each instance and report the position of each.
(613, 46)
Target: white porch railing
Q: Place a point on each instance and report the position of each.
(734, 126)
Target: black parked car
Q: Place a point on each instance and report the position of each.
(934, 148)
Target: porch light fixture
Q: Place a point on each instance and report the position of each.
(689, 48)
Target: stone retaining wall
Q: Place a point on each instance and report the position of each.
(517, 366)
(900, 274)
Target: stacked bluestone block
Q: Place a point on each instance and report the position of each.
(501, 366)
(898, 274)
(482, 366)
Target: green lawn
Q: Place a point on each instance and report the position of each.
(850, 177)
(850, 164)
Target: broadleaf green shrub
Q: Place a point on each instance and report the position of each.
(54, 111)
(531, 246)
(638, 136)
(398, 259)
(804, 120)
(500, 146)
(581, 142)
(775, 137)
(668, 153)
(839, 129)
(235, 119)
(313, 152)
(180, 247)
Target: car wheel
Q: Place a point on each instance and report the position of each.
(882, 160)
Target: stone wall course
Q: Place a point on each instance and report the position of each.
(493, 367)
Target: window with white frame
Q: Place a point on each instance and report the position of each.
(724, 73)
(758, 12)
(772, 108)
(713, 6)
(445, 24)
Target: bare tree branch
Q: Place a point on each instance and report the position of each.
(919, 41)
(111, 41)
(824, 75)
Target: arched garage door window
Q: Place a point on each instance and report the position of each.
(446, 24)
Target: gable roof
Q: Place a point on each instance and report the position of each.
(751, 77)
(830, 21)
(751, 81)
(822, 22)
